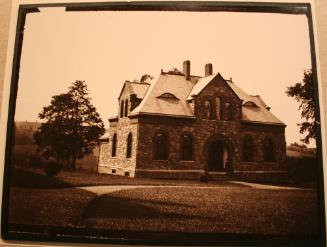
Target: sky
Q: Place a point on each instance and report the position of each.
(264, 53)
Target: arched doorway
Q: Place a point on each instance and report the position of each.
(217, 156)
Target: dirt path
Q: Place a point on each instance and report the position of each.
(268, 187)
(105, 189)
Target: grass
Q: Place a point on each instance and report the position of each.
(36, 178)
(232, 210)
(193, 209)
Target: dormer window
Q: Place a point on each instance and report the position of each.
(250, 103)
(168, 96)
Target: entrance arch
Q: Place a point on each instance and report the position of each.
(219, 154)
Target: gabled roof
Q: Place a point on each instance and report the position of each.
(137, 88)
(251, 113)
(200, 85)
(175, 85)
(156, 101)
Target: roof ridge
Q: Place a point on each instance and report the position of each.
(137, 82)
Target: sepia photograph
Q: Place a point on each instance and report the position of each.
(164, 123)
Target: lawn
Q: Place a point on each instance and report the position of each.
(36, 178)
(218, 210)
(233, 210)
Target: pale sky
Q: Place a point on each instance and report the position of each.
(263, 53)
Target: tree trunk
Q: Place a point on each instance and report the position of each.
(73, 162)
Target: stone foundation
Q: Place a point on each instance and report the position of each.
(116, 171)
(262, 176)
(170, 174)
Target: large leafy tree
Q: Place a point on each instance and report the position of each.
(72, 126)
(303, 92)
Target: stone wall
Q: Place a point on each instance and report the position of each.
(203, 131)
(120, 164)
(259, 132)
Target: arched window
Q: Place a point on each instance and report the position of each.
(207, 110)
(129, 145)
(126, 108)
(122, 109)
(218, 108)
(160, 146)
(268, 150)
(114, 145)
(228, 111)
(248, 148)
(186, 147)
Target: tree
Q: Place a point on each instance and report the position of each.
(72, 127)
(146, 78)
(303, 92)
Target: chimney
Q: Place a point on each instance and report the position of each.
(187, 69)
(208, 69)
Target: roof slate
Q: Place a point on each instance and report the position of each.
(183, 90)
(176, 85)
(137, 88)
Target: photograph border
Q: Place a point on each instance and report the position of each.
(192, 6)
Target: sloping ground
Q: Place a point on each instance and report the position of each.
(299, 152)
(174, 210)
(36, 178)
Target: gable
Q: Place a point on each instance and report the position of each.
(137, 88)
(211, 82)
(218, 86)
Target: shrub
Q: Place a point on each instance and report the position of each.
(204, 178)
(36, 161)
(302, 169)
(52, 168)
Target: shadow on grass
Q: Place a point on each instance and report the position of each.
(111, 207)
(28, 179)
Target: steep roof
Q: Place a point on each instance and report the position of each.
(138, 88)
(169, 95)
(256, 113)
(200, 85)
(157, 100)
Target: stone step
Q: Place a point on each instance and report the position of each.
(219, 176)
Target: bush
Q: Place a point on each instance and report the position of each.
(204, 178)
(52, 168)
(302, 169)
(36, 161)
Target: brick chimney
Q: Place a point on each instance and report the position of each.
(187, 69)
(208, 69)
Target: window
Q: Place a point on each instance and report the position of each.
(126, 108)
(207, 109)
(218, 108)
(160, 146)
(228, 111)
(268, 150)
(186, 147)
(168, 96)
(114, 146)
(126, 174)
(129, 146)
(248, 148)
(122, 109)
(113, 171)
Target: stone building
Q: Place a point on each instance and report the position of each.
(184, 126)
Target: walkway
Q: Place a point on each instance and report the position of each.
(105, 189)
